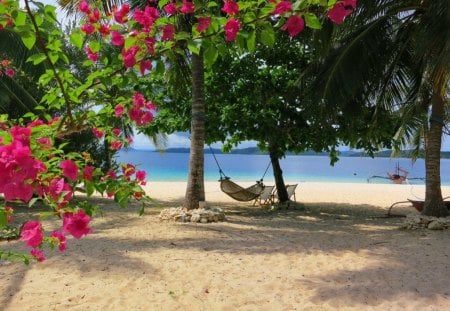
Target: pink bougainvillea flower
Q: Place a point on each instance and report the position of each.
(97, 133)
(231, 29)
(121, 15)
(118, 110)
(76, 224)
(10, 72)
(94, 17)
(93, 56)
(168, 32)
(150, 44)
(351, 3)
(294, 25)
(129, 56)
(18, 191)
(128, 169)
(140, 175)
(129, 140)
(116, 131)
(38, 254)
(203, 23)
(32, 233)
(145, 66)
(117, 39)
(104, 30)
(45, 143)
(111, 174)
(55, 187)
(187, 7)
(88, 172)
(87, 28)
(21, 134)
(146, 18)
(282, 7)
(341, 10)
(61, 240)
(230, 7)
(116, 145)
(70, 169)
(85, 8)
(170, 9)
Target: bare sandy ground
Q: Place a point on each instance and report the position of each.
(335, 252)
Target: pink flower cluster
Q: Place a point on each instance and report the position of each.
(341, 10)
(142, 111)
(74, 223)
(6, 68)
(19, 169)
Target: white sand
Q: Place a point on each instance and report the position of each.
(337, 254)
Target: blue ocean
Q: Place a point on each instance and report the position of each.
(296, 168)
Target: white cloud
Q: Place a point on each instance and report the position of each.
(176, 140)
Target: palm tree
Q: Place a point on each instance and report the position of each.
(395, 54)
(18, 94)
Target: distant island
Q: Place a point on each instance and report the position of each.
(256, 151)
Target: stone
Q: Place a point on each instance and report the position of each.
(203, 215)
(436, 225)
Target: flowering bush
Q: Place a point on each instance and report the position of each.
(121, 47)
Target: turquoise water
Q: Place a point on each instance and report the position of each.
(174, 167)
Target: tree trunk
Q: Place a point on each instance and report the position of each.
(434, 205)
(195, 191)
(278, 175)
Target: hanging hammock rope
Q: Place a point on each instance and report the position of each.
(234, 190)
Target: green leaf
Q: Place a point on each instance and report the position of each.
(312, 21)
(50, 13)
(251, 41)
(331, 3)
(77, 40)
(28, 39)
(267, 36)
(121, 197)
(20, 19)
(94, 46)
(100, 187)
(46, 214)
(53, 57)
(142, 210)
(194, 46)
(3, 218)
(211, 54)
(32, 201)
(37, 58)
(90, 188)
(212, 4)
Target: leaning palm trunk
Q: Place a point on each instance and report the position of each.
(195, 190)
(434, 205)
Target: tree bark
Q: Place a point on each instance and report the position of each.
(434, 205)
(195, 191)
(278, 175)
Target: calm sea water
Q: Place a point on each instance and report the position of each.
(174, 167)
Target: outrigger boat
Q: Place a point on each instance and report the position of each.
(397, 176)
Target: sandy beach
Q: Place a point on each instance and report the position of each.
(334, 251)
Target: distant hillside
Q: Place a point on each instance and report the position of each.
(255, 150)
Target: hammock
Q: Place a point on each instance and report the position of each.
(235, 191)
(239, 193)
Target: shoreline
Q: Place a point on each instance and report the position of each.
(380, 195)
